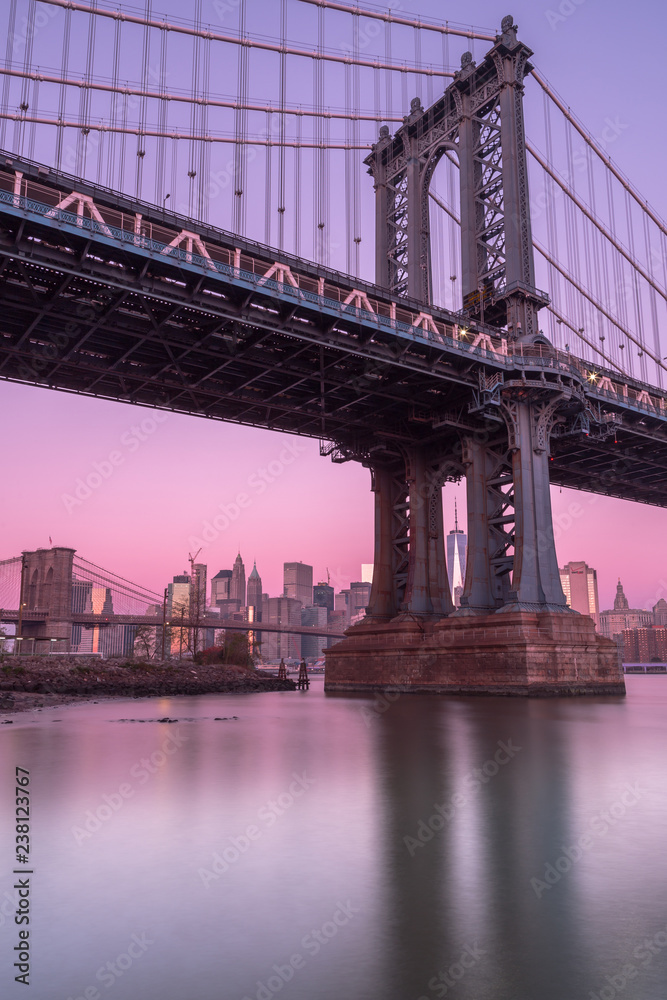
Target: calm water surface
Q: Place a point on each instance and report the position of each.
(298, 851)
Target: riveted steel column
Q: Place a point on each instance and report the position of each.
(427, 588)
(382, 601)
(536, 579)
(417, 277)
(468, 173)
(477, 591)
(441, 598)
(379, 171)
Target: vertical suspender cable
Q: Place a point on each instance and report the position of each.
(282, 88)
(653, 301)
(241, 128)
(418, 59)
(122, 144)
(160, 190)
(204, 146)
(355, 159)
(113, 112)
(319, 213)
(12, 42)
(19, 129)
(33, 125)
(194, 118)
(83, 143)
(348, 195)
(388, 75)
(141, 139)
(267, 182)
(636, 297)
(297, 189)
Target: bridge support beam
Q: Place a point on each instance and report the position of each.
(409, 569)
(391, 543)
(490, 493)
(535, 580)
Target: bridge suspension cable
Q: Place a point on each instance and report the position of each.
(247, 41)
(389, 18)
(137, 130)
(560, 318)
(590, 141)
(118, 583)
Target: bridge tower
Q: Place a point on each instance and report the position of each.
(479, 120)
(513, 631)
(47, 589)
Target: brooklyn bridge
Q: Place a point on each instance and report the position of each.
(451, 364)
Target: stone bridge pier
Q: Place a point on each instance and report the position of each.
(47, 589)
(514, 633)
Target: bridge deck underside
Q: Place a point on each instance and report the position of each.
(83, 315)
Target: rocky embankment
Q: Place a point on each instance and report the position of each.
(36, 681)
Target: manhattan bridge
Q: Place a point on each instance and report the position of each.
(186, 221)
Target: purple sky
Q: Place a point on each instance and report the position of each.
(143, 519)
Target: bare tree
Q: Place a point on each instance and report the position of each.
(145, 641)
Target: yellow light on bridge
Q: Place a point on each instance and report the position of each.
(593, 376)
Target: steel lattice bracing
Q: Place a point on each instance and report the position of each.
(480, 120)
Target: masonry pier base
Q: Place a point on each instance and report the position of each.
(524, 653)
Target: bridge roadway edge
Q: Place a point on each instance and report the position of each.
(526, 654)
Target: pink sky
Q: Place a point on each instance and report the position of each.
(145, 517)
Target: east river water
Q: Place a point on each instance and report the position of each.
(319, 848)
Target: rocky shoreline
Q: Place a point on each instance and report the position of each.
(28, 682)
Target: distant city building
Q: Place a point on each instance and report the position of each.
(342, 602)
(178, 595)
(254, 597)
(199, 587)
(367, 572)
(178, 609)
(644, 645)
(313, 645)
(660, 613)
(338, 621)
(457, 544)
(298, 582)
(282, 611)
(580, 586)
(621, 617)
(323, 596)
(228, 607)
(220, 586)
(110, 640)
(237, 587)
(360, 595)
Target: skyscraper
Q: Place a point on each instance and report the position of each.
(660, 613)
(580, 586)
(312, 645)
(621, 617)
(237, 588)
(282, 611)
(323, 596)
(199, 587)
(457, 544)
(298, 582)
(360, 595)
(220, 586)
(255, 592)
